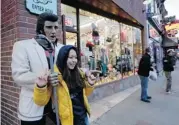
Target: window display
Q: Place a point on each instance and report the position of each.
(126, 50)
(105, 44)
(101, 44)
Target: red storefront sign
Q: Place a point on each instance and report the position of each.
(68, 21)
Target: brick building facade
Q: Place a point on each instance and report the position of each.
(18, 24)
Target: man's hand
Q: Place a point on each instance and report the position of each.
(42, 81)
(92, 76)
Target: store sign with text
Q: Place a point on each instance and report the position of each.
(40, 6)
(154, 34)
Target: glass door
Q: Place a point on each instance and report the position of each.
(69, 24)
(70, 27)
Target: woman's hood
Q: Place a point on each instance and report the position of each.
(63, 55)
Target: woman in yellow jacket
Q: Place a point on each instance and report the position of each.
(73, 88)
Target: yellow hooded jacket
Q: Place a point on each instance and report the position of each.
(43, 95)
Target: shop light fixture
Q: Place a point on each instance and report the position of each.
(91, 17)
(145, 2)
(156, 15)
(85, 25)
(89, 24)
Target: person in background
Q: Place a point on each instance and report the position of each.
(145, 66)
(168, 67)
(29, 57)
(73, 88)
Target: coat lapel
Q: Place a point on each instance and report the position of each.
(41, 53)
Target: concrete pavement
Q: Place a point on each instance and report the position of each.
(125, 108)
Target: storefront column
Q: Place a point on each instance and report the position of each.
(78, 34)
(144, 41)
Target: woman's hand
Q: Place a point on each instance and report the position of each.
(91, 76)
(53, 78)
(42, 80)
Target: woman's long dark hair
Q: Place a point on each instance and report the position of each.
(73, 78)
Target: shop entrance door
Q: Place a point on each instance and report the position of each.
(71, 32)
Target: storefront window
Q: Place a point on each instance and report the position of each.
(100, 45)
(137, 47)
(106, 45)
(127, 50)
(71, 39)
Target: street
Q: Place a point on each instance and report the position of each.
(163, 109)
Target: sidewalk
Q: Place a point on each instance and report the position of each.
(104, 105)
(125, 108)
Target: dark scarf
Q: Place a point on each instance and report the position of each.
(43, 41)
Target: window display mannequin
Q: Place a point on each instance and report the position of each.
(95, 34)
(104, 61)
(127, 60)
(95, 49)
(112, 57)
(92, 63)
(111, 52)
(95, 57)
(118, 64)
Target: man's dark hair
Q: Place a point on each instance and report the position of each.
(46, 16)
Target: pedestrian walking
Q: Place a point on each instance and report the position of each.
(145, 66)
(29, 57)
(73, 88)
(168, 67)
